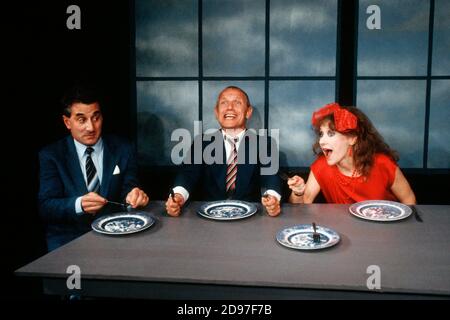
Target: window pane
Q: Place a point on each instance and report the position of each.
(400, 47)
(163, 106)
(441, 40)
(233, 37)
(291, 106)
(439, 133)
(254, 90)
(397, 110)
(166, 38)
(303, 38)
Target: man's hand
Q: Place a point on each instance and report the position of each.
(92, 202)
(173, 207)
(297, 185)
(137, 198)
(271, 204)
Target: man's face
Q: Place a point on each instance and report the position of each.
(232, 109)
(85, 123)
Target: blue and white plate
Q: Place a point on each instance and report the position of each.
(380, 210)
(123, 223)
(227, 210)
(301, 237)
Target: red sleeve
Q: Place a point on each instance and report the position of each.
(388, 165)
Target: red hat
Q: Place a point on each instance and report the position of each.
(344, 120)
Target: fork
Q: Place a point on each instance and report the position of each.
(316, 235)
(125, 205)
(284, 176)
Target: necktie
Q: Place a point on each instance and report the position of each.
(230, 180)
(93, 183)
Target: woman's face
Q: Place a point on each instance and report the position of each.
(334, 145)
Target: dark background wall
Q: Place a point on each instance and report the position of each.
(44, 58)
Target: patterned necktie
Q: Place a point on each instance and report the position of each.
(93, 183)
(230, 180)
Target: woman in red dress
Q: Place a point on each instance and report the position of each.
(353, 164)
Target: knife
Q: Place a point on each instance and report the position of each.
(416, 213)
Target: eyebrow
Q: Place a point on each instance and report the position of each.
(80, 114)
(235, 99)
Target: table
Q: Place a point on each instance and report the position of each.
(191, 257)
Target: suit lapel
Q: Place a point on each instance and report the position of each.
(108, 167)
(74, 168)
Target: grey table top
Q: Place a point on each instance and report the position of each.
(413, 257)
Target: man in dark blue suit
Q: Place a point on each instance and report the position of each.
(82, 172)
(235, 176)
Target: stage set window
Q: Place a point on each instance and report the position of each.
(403, 78)
(285, 55)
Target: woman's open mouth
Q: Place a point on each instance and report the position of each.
(327, 152)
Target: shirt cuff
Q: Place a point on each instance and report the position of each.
(78, 209)
(274, 193)
(182, 191)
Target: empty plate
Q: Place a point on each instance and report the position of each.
(301, 237)
(227, 210)
(380, 210)
(123, 223)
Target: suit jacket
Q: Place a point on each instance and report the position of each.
(62, 182)
(208, 180)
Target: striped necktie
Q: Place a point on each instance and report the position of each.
(93, 183)
(230, 180)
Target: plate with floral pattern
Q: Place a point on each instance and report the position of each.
(227, 210)
(380, 210)
(301, 237)
(123, 223)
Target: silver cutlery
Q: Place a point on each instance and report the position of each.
(125, 205)
(316, 235)
(284, 176)
(416, 213)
